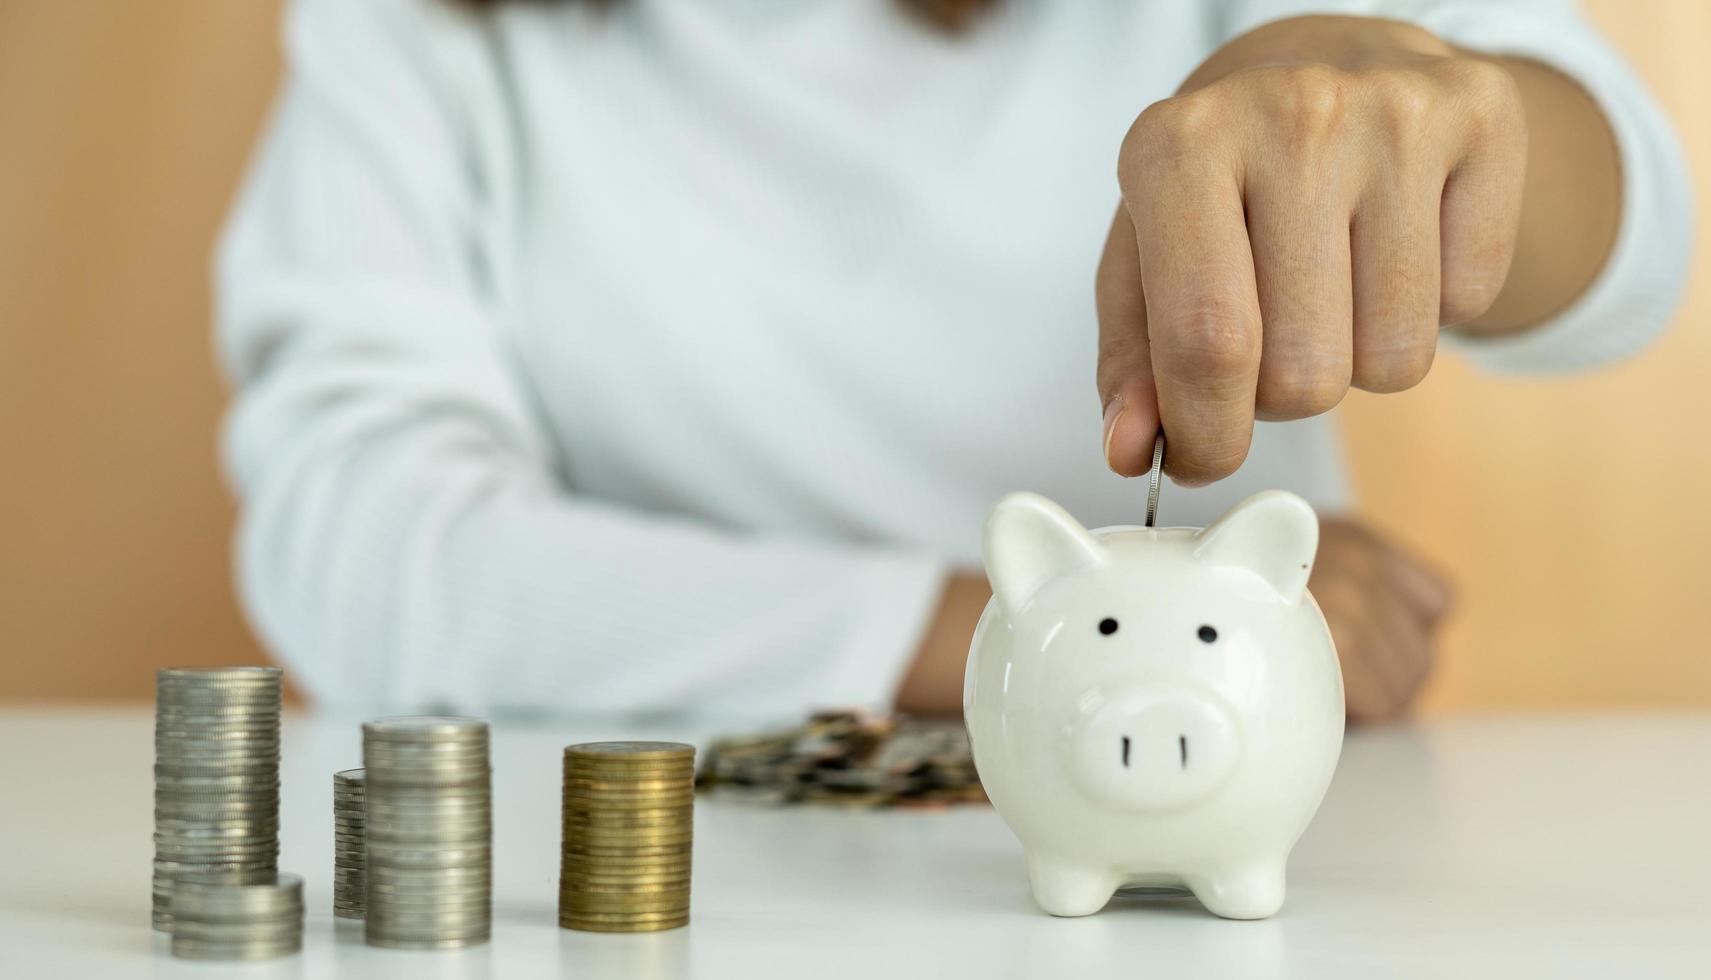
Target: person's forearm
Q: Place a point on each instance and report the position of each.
(933, 685)
(1572, 205)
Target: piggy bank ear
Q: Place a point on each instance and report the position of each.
(1274, 534)
(1029, 540)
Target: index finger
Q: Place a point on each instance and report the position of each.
(1202, 304)
(1125, 374)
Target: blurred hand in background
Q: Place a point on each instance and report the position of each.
(1384, 606)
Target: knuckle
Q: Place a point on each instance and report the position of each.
(1482, 79)
(1391, 371)
(1120, 356)
(1414, 37)
(1206, 462)
(1215, 344)
(1467, 297)
(1170, 129)
(1308, 98)
(1404, 101)
(1490, 99)
(1299, 397)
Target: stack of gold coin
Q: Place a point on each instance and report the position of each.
(349, 862)
(629, 810)
(216, 777)
(427, 832)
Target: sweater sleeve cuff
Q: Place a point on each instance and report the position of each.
(898, 596)
(1633, 296)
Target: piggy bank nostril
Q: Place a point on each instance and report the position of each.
(1181, 750)
(1131, 751)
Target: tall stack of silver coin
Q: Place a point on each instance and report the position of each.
(216, 799)
(350, 882)
(428, 832)
(216, 919)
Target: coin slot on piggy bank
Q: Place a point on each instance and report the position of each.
(1154, 706)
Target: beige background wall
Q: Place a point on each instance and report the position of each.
(123, 128)
(1573, 512)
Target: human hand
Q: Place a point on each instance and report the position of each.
(1383, 606)
(1320, 196)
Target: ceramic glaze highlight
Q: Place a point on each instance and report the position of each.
(1154, 706)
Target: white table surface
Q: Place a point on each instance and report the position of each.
(1507, 847)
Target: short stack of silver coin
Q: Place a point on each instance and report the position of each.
(428, 832)
(350, 882)
(216, 919)
(216, 801)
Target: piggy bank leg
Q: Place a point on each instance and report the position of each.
(1066, 888)
(1251, 891)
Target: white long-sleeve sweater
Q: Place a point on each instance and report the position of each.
(664, 358)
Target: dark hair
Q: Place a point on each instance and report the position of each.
(946, 15)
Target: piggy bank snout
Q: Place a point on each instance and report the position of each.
(1154, 748)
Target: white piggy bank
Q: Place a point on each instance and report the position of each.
(1156, 707)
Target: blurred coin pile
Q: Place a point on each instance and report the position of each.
(847, 758)
(629, 810)
(216, 799)
(428, 832)
(349, 878)
(215, 919)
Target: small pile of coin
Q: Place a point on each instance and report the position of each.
(350, 881)
(428, 832)
(216, 799)
(847, 758)
(217, 919)
(629, 811)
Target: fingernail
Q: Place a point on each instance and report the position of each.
(1114, 410)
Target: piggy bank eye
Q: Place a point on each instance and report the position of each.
(1107, 626)
(1207, 634)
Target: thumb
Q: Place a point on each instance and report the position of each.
(1125, 375)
